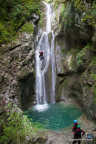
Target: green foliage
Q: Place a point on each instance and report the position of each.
(56, 4)
(93, 76)
(48, 1)
(79, 4)
(86, 11)
(93, 62)
(62, 9)
(16, 126)
(67, 16)
(13, 15)
(94, 93)
(80, 55)
(41, 21)
(28, 27)
(3, 33)
(89, 9)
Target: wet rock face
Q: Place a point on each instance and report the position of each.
(26, 88)
(76, 64)
(16, 65)
(63, 57)
(76, 76)
(67, 77)
(88, 84)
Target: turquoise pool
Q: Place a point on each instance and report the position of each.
(55, 117)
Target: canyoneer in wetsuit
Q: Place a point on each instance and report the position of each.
(41, 55)
(74, 126)
(42, 61)
(78, 135)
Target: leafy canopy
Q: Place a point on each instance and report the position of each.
(13, 14)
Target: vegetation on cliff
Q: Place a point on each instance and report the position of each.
(77, 29)
(13, 14)
(80, 11)
(15, 126)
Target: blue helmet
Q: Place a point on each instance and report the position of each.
(75, 121)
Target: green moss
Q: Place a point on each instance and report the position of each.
(93, 76)
(68, 16)
(93, 61)
(28, 27)
(4, 33)
(88, 9)
(62, 9)
(48, 1)
(94, 93)
(89, 13)
(81, 54)
(56, 5)
(73, 63)
(41, 21)
(66, 83)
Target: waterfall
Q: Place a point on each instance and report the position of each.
(53, 70)
(40, 74)
(48, 17)
(43, 65)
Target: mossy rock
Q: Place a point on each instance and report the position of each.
(94, 93)
(28, 28)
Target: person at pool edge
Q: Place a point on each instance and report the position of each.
(74, 126)
(78, 133)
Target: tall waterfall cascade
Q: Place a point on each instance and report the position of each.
(42, 66)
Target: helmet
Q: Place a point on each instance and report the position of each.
(75, 121)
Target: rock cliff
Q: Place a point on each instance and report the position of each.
(17, 68)
(75, 53)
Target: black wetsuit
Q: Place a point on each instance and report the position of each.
(78, 135)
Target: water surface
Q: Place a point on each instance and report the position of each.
(55, 116)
